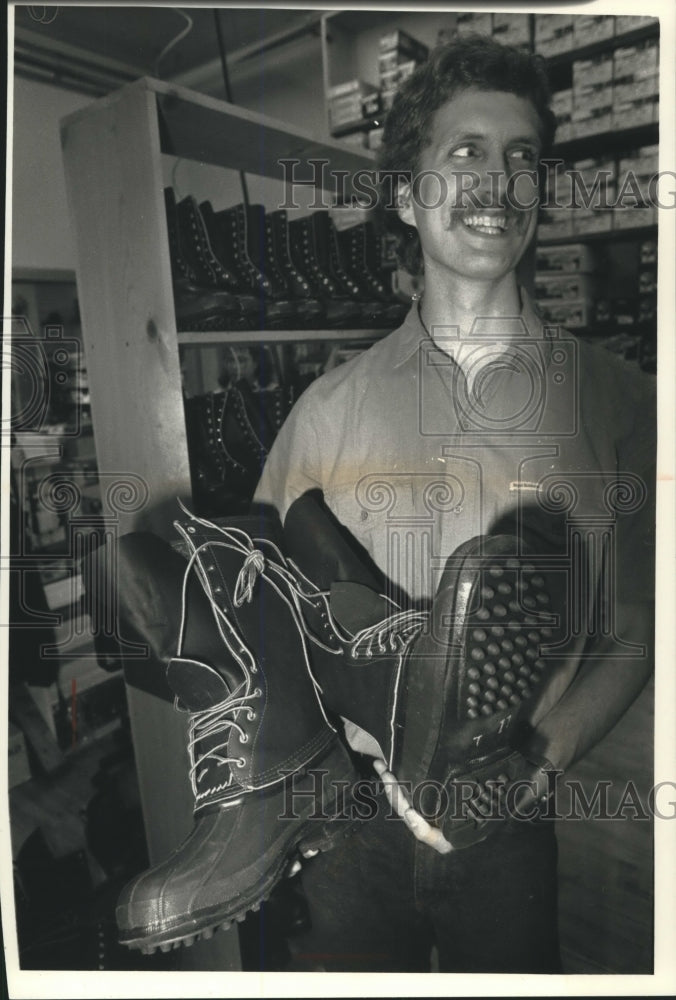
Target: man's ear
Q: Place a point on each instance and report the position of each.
(405, 204)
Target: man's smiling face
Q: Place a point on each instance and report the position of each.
(478, 141)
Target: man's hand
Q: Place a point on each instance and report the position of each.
(520, 794)
(416, 823)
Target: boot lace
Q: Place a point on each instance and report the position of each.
(391, 635)
(262, 558)
(210, 722)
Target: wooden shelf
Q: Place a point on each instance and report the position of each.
(565, 59)
(363, 125)
(202, 128)
(196, 127)
(617, 235)
(207, 337)
(603, 143)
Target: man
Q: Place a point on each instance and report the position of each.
(471, 416)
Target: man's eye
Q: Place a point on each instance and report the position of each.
(463, 151)
(525, 155)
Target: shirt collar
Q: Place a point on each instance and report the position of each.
(411, 334)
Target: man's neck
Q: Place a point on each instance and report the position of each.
(468, 323)
(462, 306)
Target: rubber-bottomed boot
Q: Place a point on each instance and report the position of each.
(444, 694)
(268, 771)
(473, 680)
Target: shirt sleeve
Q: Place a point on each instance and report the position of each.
(294, 464)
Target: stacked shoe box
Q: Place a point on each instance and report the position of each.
(554, 33)
(398, 55)
(592, 95)
(594, 184)
(591, 28)
(565, 285)
(630, 22)
(512, 29)
(556, 214)
(562, 106)
(637, 188)
(346, 103)
(474, 24)
(636, 84)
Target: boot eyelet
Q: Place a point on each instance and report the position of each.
(257, 693)
(241, 762)
(243, 738)
(191, 530)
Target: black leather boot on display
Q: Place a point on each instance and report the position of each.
(229, 436)
(200, 303)
(216, 259)
(243, 231)
(363, 251)
(268, 771)
(310, 311)
(309, 250)
(343, 268)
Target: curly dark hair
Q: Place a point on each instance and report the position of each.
(470, 61)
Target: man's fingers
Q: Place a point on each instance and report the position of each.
(416, 823)
(396, 795)
(425, 833)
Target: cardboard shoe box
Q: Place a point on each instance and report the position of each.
(403, 44)
(593, 71)
(481, 24)
(562, 106)
(567, 313)
(567, 259)
(564, 286)
(590, 28)
(511, 29)
(553, 34)
(630, 22)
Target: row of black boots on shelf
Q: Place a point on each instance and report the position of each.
(229, 435)
(243, 268)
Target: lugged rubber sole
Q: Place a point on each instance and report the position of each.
(203, 924)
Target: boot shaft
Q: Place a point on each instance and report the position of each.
(245, 740)
(229, 437)
(201, 300)
(360, 641)
(309, 309)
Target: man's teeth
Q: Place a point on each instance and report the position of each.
(491, 223)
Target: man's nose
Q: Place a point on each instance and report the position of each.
(493, 179)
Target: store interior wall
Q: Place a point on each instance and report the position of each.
(288, 89)
(287, 84)
(41, 236)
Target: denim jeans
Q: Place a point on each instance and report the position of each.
(380, 900)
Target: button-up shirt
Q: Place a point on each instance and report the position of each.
(418, 448)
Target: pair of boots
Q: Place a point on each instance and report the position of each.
(270, 638)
